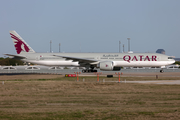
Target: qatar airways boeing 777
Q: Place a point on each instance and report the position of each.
(103, 61)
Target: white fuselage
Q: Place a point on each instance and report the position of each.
(119, 59)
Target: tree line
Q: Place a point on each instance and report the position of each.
(10, 61)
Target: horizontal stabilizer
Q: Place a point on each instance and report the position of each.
(16, 56)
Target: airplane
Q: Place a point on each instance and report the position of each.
(90, 61)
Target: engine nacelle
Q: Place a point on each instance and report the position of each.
(108, 66)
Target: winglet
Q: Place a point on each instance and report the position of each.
(20, 45)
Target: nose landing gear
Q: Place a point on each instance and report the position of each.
(161, 71)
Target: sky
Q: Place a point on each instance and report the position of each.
(92, 25)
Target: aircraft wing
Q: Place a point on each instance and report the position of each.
(16, 56)
(80, 60)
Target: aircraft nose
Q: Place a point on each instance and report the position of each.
(173, 61)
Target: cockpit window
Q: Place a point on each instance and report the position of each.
(170, 57)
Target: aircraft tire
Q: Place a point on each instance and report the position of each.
(83, 71)
(161, 71)
(88, 71)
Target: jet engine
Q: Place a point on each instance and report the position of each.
(108, 66)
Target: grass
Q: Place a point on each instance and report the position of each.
(52, 97)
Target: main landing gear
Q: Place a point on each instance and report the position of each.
(88, 71)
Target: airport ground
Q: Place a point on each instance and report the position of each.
(57, 97)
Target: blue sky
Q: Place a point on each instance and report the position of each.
(92, 25)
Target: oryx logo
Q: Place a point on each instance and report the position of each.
(19, 45)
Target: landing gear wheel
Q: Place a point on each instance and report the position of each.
(85, 71)
(88, 71)
(161, 71)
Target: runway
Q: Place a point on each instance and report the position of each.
(155, 76)
(167, 82)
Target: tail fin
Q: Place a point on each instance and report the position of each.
(20, 45)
